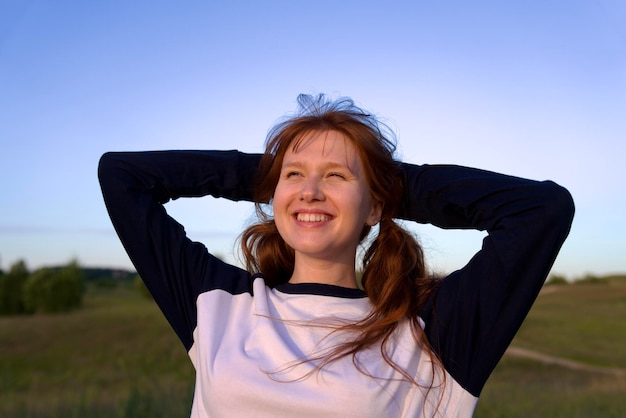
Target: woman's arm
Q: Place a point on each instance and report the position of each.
(135, 185)
(478, 309)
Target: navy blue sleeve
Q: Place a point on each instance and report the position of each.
(135, 185)
(477, 310)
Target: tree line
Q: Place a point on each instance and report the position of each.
(49, 289)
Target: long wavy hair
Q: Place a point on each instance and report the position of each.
(394, 273)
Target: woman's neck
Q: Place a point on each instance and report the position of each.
(309, 270)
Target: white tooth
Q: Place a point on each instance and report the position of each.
(311, 217)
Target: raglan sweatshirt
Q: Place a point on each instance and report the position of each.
(247, 341)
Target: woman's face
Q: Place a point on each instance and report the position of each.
(322, 200)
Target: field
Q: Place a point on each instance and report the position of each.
(583, 323)
(117, 357)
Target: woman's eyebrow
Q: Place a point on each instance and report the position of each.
(326, 165)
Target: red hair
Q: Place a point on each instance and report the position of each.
(394, 273)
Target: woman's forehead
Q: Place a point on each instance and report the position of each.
(327, 141)
(329, 144)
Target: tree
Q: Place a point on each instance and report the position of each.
(11, 286)
(54, 290)
(556, 279)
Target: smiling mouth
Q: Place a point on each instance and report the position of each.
(312, 217)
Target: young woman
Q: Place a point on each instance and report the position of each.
(295, 333)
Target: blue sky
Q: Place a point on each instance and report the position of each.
(530, 88)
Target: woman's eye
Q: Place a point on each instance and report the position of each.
(292, 174)
(338, 175)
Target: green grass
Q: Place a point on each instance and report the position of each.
(118, 357)
(581, 322)
(524, 388)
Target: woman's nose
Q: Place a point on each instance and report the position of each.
(311, 190)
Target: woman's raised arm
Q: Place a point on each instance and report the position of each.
(135, 185)
(477, 309)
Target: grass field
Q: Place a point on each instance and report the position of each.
(117, 357)
(581, 322)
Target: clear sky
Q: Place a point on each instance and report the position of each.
(530, 88)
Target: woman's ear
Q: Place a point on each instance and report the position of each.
(375, 213)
